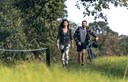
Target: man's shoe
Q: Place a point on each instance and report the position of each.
(82, 64)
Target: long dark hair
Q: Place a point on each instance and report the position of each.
(61, 24)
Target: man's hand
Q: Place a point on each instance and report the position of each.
(79, 43)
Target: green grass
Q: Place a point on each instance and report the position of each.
(103, 69)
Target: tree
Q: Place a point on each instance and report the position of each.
(10, 25)
(95, 7)
(12, 35)
(40, 18)
(108, 42)
(123, 42)
(30, 24)
(102, 27)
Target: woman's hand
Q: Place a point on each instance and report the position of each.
(57, 44)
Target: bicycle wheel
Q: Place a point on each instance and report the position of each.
(89, 51)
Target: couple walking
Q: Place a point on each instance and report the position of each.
(65, 40)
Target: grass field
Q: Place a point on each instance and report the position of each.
(103, 69)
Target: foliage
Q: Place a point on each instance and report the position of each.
(29, 24)
(95, 7)
(123, 42)
(41, 27)
(104, 69)
(102, 27)
(108, 39)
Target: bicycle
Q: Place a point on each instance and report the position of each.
(91, 55)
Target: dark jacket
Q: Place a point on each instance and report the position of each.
(77, 35)
(64, 38)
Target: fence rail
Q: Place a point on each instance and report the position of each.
(31, 50)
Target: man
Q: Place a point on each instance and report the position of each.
(81, 37)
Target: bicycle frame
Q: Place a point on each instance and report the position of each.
(91, 55)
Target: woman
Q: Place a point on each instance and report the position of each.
(64, 39)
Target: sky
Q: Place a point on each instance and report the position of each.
(117, 17)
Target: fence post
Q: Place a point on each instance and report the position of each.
(48, 56)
